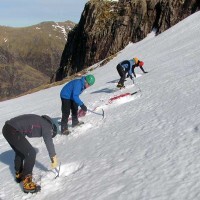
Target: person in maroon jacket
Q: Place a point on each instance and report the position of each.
(15, 131)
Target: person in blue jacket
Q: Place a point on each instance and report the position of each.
(128, 66)
(70, 100)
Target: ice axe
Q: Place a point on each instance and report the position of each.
(139, 90)
(57, 170)
(102, 114)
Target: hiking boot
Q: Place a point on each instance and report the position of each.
(29, 186)
(119, 85)
(18, 177)
(77, 124)
(65, 132)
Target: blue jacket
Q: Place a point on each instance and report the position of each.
(127, 65)
(73, 89)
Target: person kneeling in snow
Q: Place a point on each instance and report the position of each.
(70, 101)
(15, 131)
(128, 66)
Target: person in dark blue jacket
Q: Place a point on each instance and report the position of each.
(128, 66)
(70, 101)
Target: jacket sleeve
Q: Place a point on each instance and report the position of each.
(76, 92)
(130, 69)
(47, 136)
(142, 69)
(133, 71)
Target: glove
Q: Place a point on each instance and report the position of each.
(84, 108)
(81, 113)
(54, 162)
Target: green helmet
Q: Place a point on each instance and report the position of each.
(90, 79)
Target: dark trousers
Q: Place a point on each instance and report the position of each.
(122, 74)
(24, 152)
(67, 106)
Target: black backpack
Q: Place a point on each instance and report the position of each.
(54, 127)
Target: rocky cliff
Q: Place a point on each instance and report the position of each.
(106, 27)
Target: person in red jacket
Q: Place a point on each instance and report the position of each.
(15, 131)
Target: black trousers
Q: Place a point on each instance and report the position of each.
(122, 74)
(24, 152)
(67, 106)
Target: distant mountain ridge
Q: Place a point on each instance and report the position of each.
(29, 56)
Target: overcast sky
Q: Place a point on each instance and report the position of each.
(20, 13)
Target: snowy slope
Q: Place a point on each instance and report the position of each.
(148, 145)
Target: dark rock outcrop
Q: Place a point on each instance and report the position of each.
(106, 27)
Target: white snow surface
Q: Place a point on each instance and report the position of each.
(148, 145)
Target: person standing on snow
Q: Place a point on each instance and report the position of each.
(128, 66)
(70, 101)
(15, 131)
